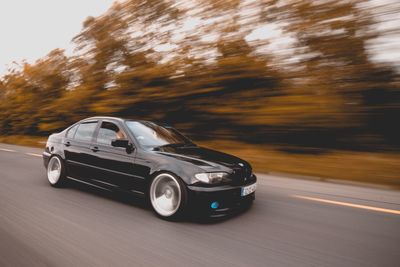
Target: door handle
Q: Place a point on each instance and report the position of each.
(67, 143)
(94, 148)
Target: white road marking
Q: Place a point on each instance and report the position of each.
(397, 212)
(7, 150)
(33, 154)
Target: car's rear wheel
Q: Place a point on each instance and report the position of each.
(167, 196)
(56, 172)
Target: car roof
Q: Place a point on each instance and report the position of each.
(116, 118)
(103, 118)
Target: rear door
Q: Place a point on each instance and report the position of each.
(115, 165)
(77, 150)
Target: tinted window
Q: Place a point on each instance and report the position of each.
(150, 134)
(85, 131)
(71, 132)
(108, 132)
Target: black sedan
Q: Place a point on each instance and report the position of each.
(152, 161)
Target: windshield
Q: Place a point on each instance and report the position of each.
(151, 135)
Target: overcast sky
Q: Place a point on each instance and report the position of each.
(31, 28)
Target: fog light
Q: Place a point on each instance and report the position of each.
(214, 205)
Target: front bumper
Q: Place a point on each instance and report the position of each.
(228, 197)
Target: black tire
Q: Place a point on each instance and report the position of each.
(172, 183)
(56, 172)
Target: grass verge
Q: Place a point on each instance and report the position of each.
(371, 167)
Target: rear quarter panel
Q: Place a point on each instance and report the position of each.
(54, 145)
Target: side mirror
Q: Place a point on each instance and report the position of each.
(124, 143)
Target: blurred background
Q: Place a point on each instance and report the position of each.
(303, 87)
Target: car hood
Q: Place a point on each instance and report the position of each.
(204, 157)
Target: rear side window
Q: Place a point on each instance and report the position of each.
(85, 131)
(71, 132)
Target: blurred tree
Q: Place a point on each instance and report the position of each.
(338, 74)
(193, 64)
(235, 81)
(101, 44)
(29, 91)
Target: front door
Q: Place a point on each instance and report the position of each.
(115, 164)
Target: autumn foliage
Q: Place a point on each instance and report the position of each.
(208, 68)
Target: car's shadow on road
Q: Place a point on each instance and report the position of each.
(142, 203)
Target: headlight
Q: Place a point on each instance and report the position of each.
(211, 177)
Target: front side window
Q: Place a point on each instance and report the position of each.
(109, 131)
(85, 131)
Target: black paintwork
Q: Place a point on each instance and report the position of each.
(131, 170)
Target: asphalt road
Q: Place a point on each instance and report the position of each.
(292, 223)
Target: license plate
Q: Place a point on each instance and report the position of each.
(248, 189)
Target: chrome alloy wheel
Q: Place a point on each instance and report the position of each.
(165, 194)
(54, 170)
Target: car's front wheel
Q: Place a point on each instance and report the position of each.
(167, 196)
(56, 172)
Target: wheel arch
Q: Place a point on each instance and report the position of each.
(158, 172)
(54, 148)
